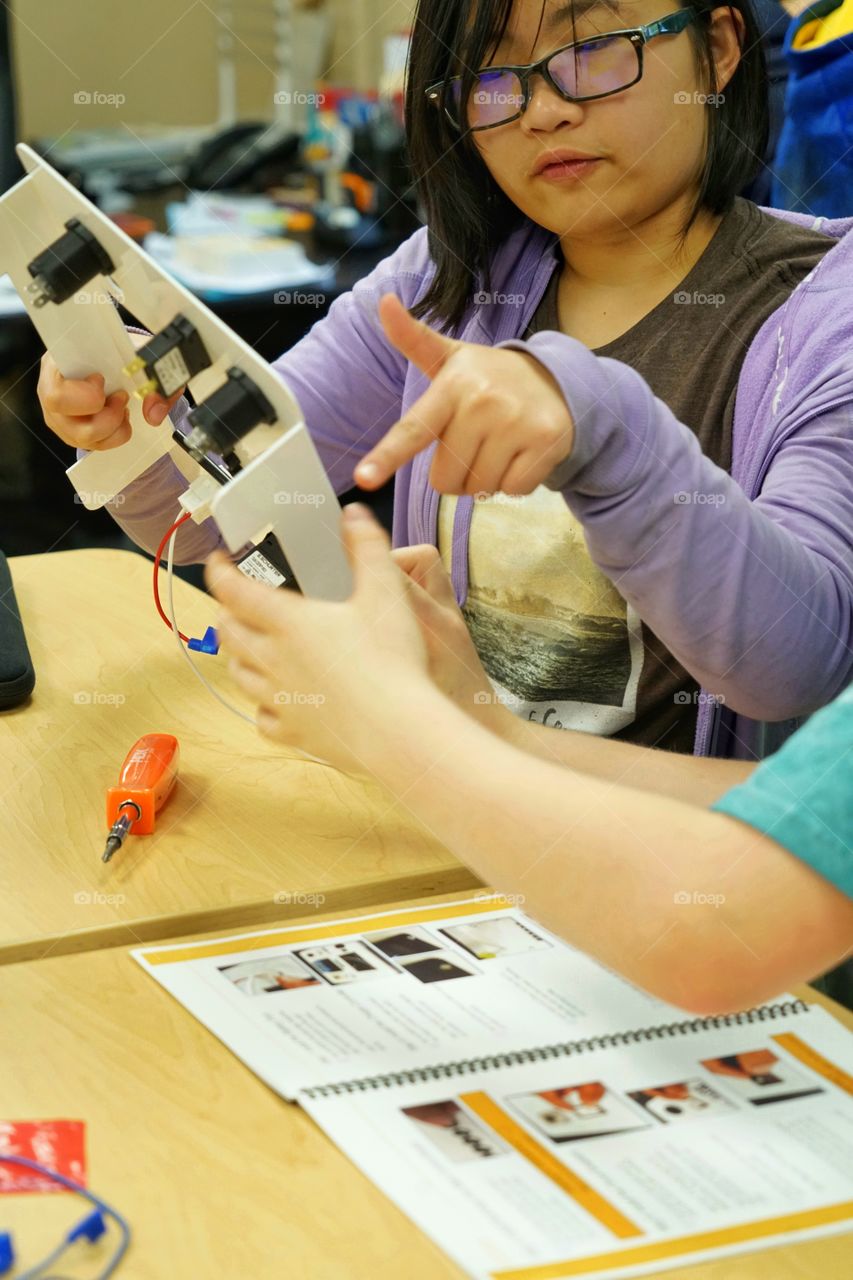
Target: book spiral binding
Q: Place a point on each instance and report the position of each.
(520, 1057)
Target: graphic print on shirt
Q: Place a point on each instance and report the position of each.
(558, 642)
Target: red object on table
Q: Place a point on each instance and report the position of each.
(58, 1144)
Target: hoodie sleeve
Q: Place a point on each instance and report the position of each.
(348, 380)
(753, 597)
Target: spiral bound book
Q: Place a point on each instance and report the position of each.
(535, 1114)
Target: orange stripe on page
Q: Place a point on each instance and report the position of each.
(526, 1145)
(329, 929)
(634, 1255)
(815, 1061)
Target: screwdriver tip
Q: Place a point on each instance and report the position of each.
(112, 844)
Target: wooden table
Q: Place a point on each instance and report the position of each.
(216, 1174)
(251, 834)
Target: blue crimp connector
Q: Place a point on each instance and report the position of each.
(91, 1228)
(208, 643)
(7, 1253)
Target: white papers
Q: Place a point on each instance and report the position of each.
(286, 266)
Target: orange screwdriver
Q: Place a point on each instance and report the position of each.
(147, 778)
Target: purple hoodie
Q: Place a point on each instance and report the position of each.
(751, 590)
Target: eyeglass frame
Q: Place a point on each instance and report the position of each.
(670, 25)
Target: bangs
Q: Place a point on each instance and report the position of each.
(481, 26)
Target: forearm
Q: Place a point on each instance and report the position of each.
(684, 542)
(656, 544)
(698, 780)
(695, 907)
(147, 507)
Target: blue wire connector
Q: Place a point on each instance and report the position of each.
(91, 1228)
(209, 642)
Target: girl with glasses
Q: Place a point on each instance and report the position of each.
(617, 396)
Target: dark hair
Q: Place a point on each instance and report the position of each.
(468, 216)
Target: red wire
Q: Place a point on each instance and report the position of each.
(158, 557)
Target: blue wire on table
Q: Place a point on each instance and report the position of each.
(82, 1228)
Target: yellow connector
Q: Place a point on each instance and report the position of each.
(134, 366)
(145, 389)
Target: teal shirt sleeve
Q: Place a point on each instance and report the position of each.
(802, 797)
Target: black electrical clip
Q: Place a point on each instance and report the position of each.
(67, 265)
(227, 415)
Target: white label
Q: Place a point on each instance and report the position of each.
(257, 566)
(172, 372)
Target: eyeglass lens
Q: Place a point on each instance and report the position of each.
(581, 71)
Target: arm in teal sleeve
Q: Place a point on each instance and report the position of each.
(802, 797)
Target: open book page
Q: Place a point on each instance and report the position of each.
(618, 1160)
(317, 1004)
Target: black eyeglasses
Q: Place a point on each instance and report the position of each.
(580, 71)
